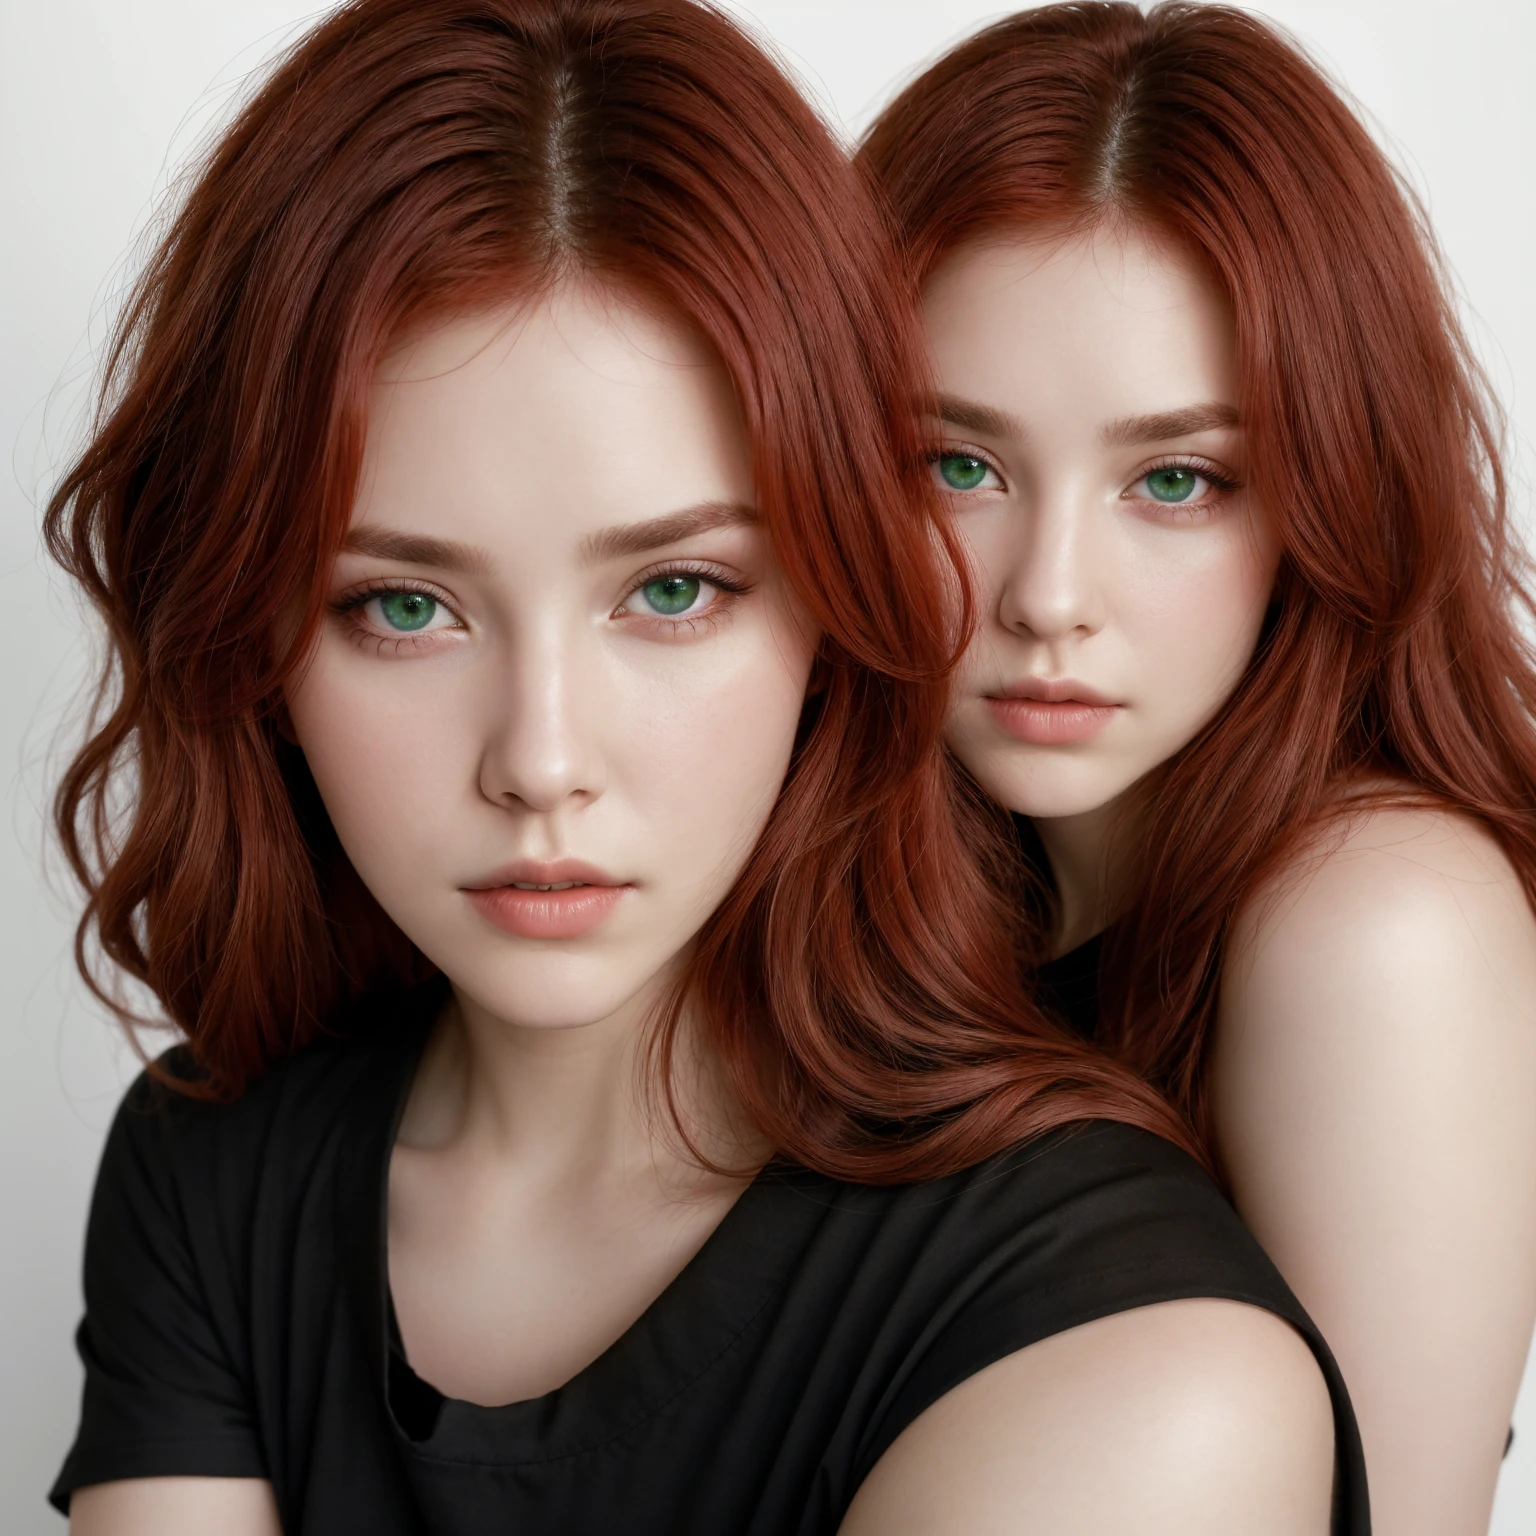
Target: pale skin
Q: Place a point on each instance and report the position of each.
(534, 473)
(1374, 1077)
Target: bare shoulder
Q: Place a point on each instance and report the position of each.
(1377, 1018)
(1401, 857)
(1373, 1093)
(1382, 897)
(1188, 1416)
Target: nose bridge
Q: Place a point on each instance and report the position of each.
(1053, 587)
(540, 749)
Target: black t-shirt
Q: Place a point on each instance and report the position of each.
(1067, 987)
(238, 1321)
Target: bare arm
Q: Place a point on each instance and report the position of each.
(1374, 1085)
(175, 1506)
(1188, 1418)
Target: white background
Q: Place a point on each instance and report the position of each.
(100, 99)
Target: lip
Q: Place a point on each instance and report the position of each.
(1051, 712)
(590, 896)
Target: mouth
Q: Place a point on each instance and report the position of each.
(1051, 712)
(562, 900)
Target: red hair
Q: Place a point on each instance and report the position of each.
(417, 156)
(1393, 650)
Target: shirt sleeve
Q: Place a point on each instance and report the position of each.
(163, 1396)
(1100, 1222)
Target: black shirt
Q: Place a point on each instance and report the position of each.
(1067, 987)
(238, 1321)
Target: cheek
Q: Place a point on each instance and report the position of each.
(705, 751)
(382, 757)
(983, 537)
(1192, 615)
(690, 743)
(985, 540)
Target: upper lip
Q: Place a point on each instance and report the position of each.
(1053, 690)
(544, 872)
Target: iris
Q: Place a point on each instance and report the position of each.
(962, 471)
(672, 594)
(407, 610)
(1172, 484)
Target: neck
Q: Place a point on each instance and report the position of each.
(561, 1105)
(1089, 855)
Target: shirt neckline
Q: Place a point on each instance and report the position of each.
(694, 1323)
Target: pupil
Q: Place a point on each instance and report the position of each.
(408, 610)
(961, 471)
(672, 594)
(1171, 484)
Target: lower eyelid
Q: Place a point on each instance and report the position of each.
(374, 643)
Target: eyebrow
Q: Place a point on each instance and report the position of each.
(637, 538)
(418, 549)
(606, 544)
(1127, 432)
(1132, 430)
(974, 417)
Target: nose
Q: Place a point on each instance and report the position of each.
(541, 752)
(1052, 586)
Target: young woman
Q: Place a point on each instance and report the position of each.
(605, 1075)
(1249, 666)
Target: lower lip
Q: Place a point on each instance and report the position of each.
(547, 914)
(1051, 725)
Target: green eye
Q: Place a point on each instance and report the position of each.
(1172, 484)
(672, 595)
(962, 471)
(407, 610)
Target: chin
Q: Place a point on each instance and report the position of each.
(556, 988)
(1049, 787)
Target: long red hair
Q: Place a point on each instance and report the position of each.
(417, 156)
(1393, 651)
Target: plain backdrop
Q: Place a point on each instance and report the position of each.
(100, 100)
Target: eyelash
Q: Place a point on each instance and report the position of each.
(729, 585)
(1220, 478)
(349, 606)
(965, 451)
(1221, 481)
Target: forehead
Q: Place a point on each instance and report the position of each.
(1110, 318)
(584, 403)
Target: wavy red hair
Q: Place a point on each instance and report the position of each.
(1393, 653)
(420, 156)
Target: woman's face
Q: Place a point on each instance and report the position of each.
(555, 694)
(1095, 465)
